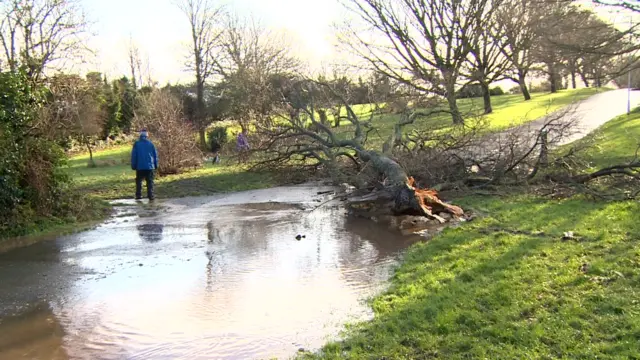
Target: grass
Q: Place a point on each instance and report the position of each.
(509, 111)
(508, 286)
(114, 179)
(614, 142)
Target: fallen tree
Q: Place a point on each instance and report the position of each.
(301, 138)
(466, 158)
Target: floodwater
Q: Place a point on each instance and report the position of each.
(197, 278)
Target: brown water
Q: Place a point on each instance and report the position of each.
(201, 278)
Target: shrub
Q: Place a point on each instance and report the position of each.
(470, 91)
(33, 186)
(219, 134)
(162, 114)
(515, 90)
(475, 90)
(496, 91)
(544, 86)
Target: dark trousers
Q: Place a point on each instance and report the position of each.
(147, 175)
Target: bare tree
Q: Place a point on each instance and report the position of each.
(204, 18)
(250, 59)
(517, 33)
(162, 114)
(74, 110)
(620, 4)
(487, 63)
(421, 43)
(39, 33)
(135, 64)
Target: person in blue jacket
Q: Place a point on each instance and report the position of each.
(144, 160)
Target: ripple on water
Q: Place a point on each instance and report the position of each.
(212, 280)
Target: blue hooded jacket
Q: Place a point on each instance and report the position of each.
(143, 155)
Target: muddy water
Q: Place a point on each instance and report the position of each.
(202, 278)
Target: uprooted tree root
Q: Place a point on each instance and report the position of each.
(407, 208)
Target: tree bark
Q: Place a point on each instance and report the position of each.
(92, 163)
(203, 138)
(407, 198)
(584, 79)
(453, 105)
(553, 81)
(486, 96)
(523, 87)
(200, 110)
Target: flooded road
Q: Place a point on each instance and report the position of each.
(197, 278)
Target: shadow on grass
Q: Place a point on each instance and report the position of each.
(119, 182)
(483, 291)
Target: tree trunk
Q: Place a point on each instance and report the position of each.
(572, 72)
(200, 116)
(553, 79)
(486, 95)
(584, 79)
(203, 138)
(453, 105)
(92, 162)
(407, 198)
(523, 86)
(336, 120)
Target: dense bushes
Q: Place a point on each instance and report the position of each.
(475, 90)
(496, 91)
(219, 134)
(33, 186)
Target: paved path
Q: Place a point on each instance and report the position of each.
(586, 115)
(593, 112)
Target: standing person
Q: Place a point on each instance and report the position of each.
(144, 160)
(242, 145)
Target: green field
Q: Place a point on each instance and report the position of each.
(508, 111)
(615, 142)
(114, 179)
(508, 286)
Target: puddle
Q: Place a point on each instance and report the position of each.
(202, 278)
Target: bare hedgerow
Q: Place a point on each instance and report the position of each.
(162, 115)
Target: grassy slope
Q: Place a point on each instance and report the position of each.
(509, 111)
(615, 142)
(114, 179)
(508, 287)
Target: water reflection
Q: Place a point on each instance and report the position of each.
(35, 334)
(151, 233)
(223, 282)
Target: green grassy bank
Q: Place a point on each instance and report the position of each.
(509, 286)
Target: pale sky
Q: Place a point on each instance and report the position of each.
(161, 31)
